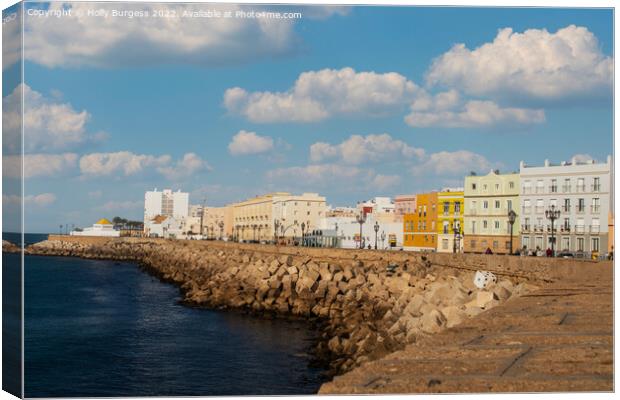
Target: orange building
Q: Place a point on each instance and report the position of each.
(420, 227)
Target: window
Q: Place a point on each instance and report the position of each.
(566, 243)
(446, 227)
(595, 244)
(473, 186)
(581, 185)
(554, 185)
(540, 206)
(497, 203)
(446, 207)
(485, 204)
(484, 224)
(596, 226)
(511, 184)
(526, 241)
(566, 187)
(444, 244)
(509, 204)
(497, 186)
(566, 224)
(496, 224)
(527, 187)
(539, 242)
(596, 205)
(566, 206)
(457, 207)
(484, 187)
(540, 184)
(596, 186)
(473, 226)
(581, 205)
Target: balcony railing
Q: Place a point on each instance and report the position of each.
(596, 187)
(538, 228)
(565, 228)
(566, 188)
(595, 209)
(580, 229)
(595, 228)
(525, 228)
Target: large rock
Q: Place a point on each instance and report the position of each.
(432, 321)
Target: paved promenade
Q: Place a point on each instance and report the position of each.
(559, 338)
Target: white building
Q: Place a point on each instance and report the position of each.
(382, 208)
(580, 191)
(166, 203)
(164, 227)
(103, 227)
(347, 230)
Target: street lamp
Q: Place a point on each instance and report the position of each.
(512, 216)
(221, 225)
(303, 227)
(456, 228)
(552, 214)
(376, 233)
(361, 218)
(383, 240)
(276, 224)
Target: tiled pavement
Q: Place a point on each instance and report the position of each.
(558, 338)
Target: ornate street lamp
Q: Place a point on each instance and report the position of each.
(376, 233)
(383, 240)
(361, 218)
(221, 225)
(303, 227)
(276, 224)
(552, 214)
(456, 228)
(512, 216)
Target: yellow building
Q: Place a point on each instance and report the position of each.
(420, 227)
(488, 200)
(450, 220)
(253, 218)
(217, 222)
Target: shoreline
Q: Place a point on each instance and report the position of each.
(371, 313)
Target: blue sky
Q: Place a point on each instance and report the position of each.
(384, 104)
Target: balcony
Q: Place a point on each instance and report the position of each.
(565, 228)
(595, 229)
(566, 188)
(596, 187)
(525, 228)
(595, 209)
(538, 228)
(580, 229)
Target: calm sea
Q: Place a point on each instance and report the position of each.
(101, 328)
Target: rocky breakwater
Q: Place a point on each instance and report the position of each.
(8, 247)
(367, 309)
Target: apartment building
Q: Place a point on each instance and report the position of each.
(450, 220)
(217, 222)
(420, 227)
(488, 200)
(166, 203)
(381, 208)
(404, 204)
(580, 191)
(256, 219)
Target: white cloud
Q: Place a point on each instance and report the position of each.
(48, 124)
(453, 163)
(43, 199)
(317, 174)
(38, 165)
(364, 149)
(83, 40)
(187, 166)
(125, 162)
(447, 111)
(249, 143)
(583, 157)
(535, 64)
(383, 182)
(318, 95)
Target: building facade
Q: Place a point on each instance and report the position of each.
(488, 200)
(103, 227)
(383, 209)
(420, 227)
(450, 220)
(580, 191)
(217, 222)
(347, 231)
(404, 204)
(166, 203)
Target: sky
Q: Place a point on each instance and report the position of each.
(349, 102)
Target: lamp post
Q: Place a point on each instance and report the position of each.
(221, 225)
(303, 227)
(552, 214)
(383, 240)
(361, 218)
(60, 230)
(276, 225)
(456, 229)
(376, 233)
(512, 216)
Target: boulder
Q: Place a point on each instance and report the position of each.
(432, 322)
(454, 315)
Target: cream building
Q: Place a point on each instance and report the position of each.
(488, 199)
(217, 222)
(256, 219)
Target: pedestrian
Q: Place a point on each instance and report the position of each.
(549, 252)
(489, 251)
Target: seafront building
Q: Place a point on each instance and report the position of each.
(382, 209)
(580, 191)
(450, 220)
(404, 204)
(346, 233)
(166, 203)
(256, 219)
(103, 227)
(420, 227)
(217, 222)
(488, 199)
